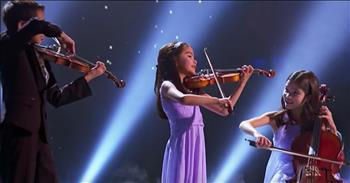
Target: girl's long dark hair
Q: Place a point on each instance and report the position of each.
(309, 83)
(166, 70)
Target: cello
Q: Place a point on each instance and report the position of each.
(317, 154)
(319, 143)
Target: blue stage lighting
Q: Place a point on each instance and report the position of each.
(187, 21)
(322, 32)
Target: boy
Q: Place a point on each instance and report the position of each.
(28, 83)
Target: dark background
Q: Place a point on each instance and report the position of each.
(256, 33)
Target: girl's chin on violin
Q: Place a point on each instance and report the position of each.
(190, 71)
(37, 39)
(193, 70)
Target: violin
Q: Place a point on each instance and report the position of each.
(206, 78)
(73, 62)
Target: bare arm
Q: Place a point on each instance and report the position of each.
(170, 91)
(222, 110)
(249, 126)
(217, 108)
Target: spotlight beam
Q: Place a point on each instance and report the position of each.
(176, 20)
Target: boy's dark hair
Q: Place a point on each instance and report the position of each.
(16, 11)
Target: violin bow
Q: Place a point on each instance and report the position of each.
(214, 73)
(216, 78)
(252, 143)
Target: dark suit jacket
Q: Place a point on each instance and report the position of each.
(25, 90)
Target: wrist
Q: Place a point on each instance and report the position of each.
(242, 82)
(256, 134)
(88, 77)
(231, 101)
(216, 100)
(62, 35)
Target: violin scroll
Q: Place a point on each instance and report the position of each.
(325, 99)
(270, 73)
(118, 82)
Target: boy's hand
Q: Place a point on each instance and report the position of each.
(67, 42)
(96, 71)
